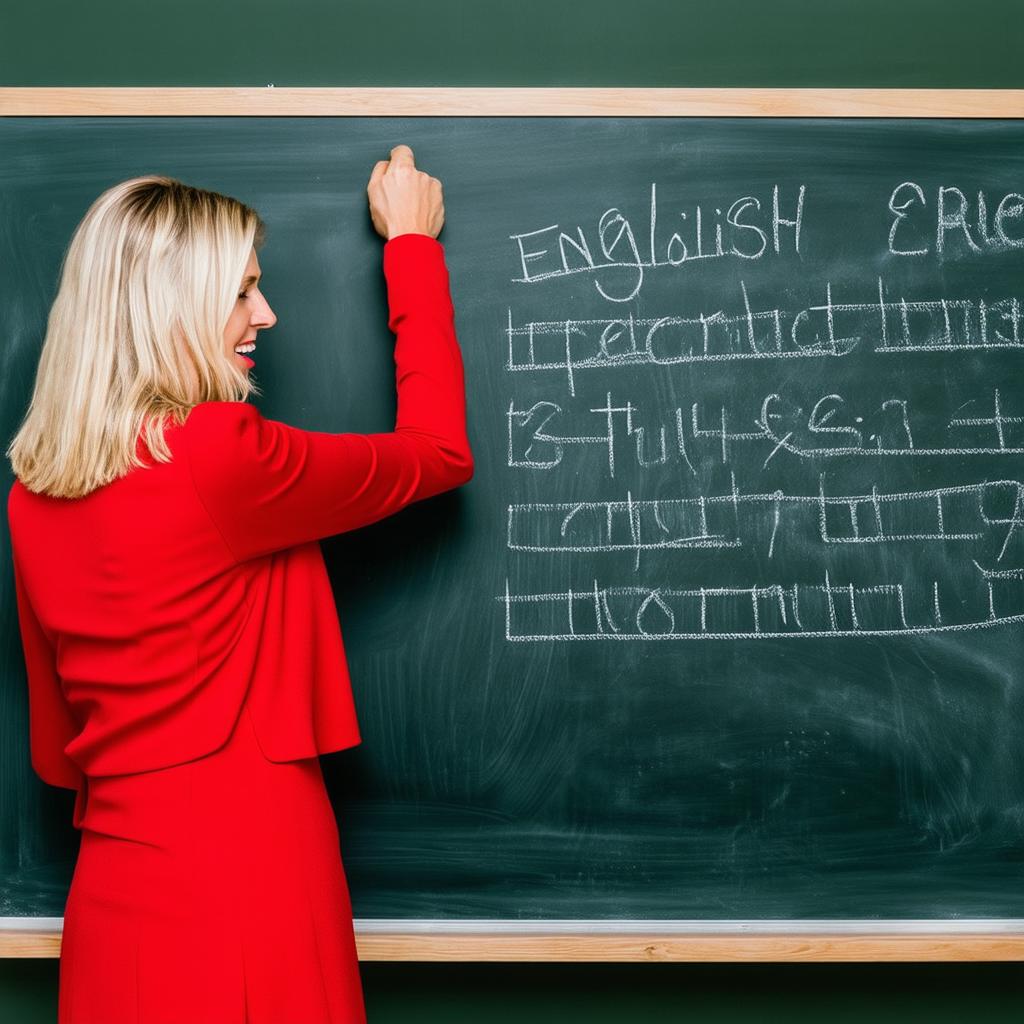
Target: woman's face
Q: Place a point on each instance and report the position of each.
(251, 313)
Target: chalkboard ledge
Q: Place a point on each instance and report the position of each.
(386, 939)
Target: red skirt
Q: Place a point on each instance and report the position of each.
(211, 892)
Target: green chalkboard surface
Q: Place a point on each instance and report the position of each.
(729, 623)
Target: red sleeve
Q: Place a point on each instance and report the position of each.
(51, 726)
(268, 485)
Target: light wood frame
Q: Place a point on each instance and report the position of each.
(625, 940)
(634, 941)
(385, 101)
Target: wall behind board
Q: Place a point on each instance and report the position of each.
(796, 43)
(877, 43)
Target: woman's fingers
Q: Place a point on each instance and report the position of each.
(378, 169)
(401, 156)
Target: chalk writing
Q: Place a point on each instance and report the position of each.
(953, 215)
(992, 509)
(867, 431)
(551, 252)
(826, 330)
(761, 611)
(829, 429)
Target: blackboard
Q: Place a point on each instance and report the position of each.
(727, 626)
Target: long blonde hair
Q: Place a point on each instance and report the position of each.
(136, 332)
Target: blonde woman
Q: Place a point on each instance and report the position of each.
(184, 661)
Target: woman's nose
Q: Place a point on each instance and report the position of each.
(263, 316)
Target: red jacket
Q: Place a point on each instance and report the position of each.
(151, 607)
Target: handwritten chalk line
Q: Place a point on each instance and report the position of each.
(767, 591)
(521, 418)
(831, 346)
(734, 497)
(569, 511)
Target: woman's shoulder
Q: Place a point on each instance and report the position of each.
(221, 436)
(216, 417)
(217, 411)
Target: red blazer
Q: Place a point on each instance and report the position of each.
(151, 608)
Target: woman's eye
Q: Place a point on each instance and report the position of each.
(244, 295)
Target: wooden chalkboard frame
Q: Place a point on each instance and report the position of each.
(573, 940)
(269, 101)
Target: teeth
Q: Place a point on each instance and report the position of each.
(246, 348)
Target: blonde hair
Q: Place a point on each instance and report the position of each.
(136, 332)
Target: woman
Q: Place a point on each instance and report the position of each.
(183, 654)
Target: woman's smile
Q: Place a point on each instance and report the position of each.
(245, 351)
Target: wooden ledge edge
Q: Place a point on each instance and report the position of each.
(386, 101)
(637, 948)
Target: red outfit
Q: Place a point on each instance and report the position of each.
(185, 668)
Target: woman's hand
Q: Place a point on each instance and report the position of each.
(403, 199)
